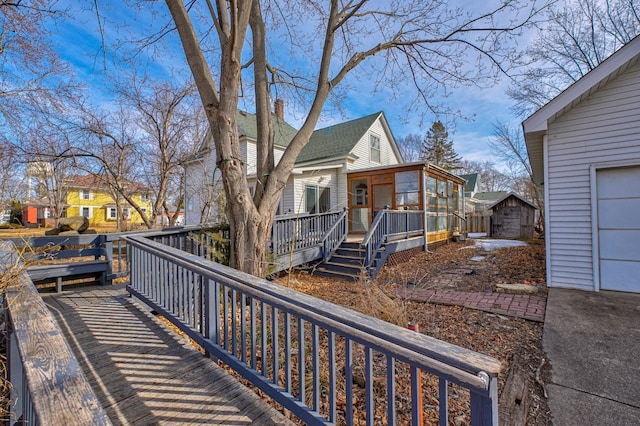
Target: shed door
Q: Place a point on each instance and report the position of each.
(619, 228)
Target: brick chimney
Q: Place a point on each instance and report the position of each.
(279, 107)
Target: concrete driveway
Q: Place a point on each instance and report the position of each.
(593, 343)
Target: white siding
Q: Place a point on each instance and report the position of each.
(321, 179)
(603, 128)
(362, 149)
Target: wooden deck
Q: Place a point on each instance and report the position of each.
(142, 372)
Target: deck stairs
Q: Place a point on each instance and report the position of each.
(347, 262)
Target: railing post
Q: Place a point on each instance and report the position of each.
(108, 255)
(484, 408)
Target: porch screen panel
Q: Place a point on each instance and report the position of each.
(407, 190)
(432, 203)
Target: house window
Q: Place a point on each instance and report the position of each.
(310, 199)
(86, 212)
(374, 143)
(317, 199)
(144, 198)
(113, 213)
(85, 194)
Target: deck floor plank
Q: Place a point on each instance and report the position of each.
(142, 372)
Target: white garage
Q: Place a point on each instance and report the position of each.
(584, 150)
(618, 206)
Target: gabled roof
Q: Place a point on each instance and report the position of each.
(513, 194)
(283, 132)
(330, 142)
(472, 180)
(490, 195)
(95, 182)
(338, 140)
(536, 125)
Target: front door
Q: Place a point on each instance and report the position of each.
(359, 205)
(382, 197)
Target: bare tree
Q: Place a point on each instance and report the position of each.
(580, 34)
(32, 76)
(111, 155)
(490, 178)
(171, 122)
(508, 145)
(427, 43)
(410, 146)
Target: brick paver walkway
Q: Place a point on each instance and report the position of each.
(518, 305)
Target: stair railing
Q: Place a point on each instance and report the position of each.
(375, 237)
(335, 236)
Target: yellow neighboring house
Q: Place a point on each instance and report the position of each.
(90, 197)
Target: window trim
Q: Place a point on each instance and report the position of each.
(375, 150)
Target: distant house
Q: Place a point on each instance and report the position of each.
(584, 148)
(90, 197)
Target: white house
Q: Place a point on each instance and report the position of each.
(318, 182)
(584, 148)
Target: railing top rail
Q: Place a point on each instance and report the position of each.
(335, 225)
(60, 393)
(373, 227)
(69, 240)
(293, 215)
(154, 232)
(460, 363)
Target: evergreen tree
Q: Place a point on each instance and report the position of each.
(437, 148)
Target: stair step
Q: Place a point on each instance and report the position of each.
(347, 260)
(341, 267)
(350, 245)
(350, 252)
(335, 274)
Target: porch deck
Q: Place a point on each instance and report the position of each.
(142, 372)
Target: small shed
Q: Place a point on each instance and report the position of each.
(512, 217)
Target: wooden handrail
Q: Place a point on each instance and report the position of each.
(49, 387)
(235, 316)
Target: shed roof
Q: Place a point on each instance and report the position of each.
(514, 195)
(535, 126)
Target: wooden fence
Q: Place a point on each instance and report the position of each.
(478, 222)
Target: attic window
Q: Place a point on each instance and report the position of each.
(374, 143)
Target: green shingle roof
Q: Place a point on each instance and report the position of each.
(471, 182)
(283, 132)
(337, 140)
(490, 195)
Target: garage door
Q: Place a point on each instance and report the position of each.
(619, 228)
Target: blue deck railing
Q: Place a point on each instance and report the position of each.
(389, 225)
(303, 352)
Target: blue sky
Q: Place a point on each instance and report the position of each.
(79, 42)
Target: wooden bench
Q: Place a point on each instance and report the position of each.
(85, 253)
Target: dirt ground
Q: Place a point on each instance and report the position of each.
(510, 340)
